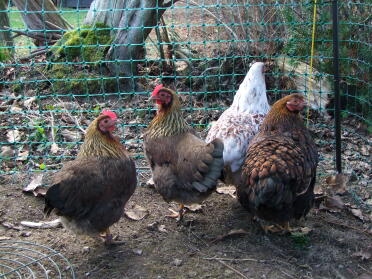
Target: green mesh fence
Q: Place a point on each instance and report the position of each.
(61, 65)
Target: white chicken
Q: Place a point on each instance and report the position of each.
(240, 122)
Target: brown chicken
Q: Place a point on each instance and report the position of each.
(90, 192)
(279, 171)
(184, 168)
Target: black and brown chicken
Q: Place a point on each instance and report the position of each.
(184, 168)
(279, 172)
(90, 192)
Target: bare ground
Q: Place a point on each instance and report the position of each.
(159, 247)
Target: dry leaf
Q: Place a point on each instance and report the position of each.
(357, 213)
(302, 230)
(194, 207)
(28, 103)
(35, 187)
(4, 238)
(227, 190)
(136, 213)
(364, 276)
(73, 136)
(337, 183)
(364, 255)
(13, 136)
(161, 228)
(54, 148)
(9, 225)
(333, 204)
(22, 156)
(229, 234)
(6, 151)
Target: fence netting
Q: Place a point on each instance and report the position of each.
(62, 62)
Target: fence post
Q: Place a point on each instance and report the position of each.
(336, 79)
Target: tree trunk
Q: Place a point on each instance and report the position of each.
(5, 35)
(44, 27)
(108, 12)
(133, 21)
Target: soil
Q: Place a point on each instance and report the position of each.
(160, 247)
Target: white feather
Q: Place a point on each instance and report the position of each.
(240, 122)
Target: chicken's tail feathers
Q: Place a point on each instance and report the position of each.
(210, 179)
(272, 191)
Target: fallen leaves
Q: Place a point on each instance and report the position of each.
(13, 136)
(11, 226)
(72, 136)
(194, 207)
(227, 190)
(332, 204)
(364, 255)
(337, 183)
(35, 186)
(136, 213)
(357, 213)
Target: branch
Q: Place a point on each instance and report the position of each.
(170, 3)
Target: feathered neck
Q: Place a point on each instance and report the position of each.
(280, 118)
(168, 120)
(97, 144)
(251, 95)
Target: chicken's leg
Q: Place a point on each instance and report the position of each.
(178, 215)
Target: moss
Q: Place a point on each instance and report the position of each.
(83, 44)
(4, 54)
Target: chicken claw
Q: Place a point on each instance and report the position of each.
(178, 215)
(277, 228)
(109, 240)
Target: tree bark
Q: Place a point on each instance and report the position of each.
(47, 26)
(132, 22)
(5, 35)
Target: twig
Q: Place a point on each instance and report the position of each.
(73, 118)
(346, 226)
(36, 36)
(215, 17)
(366, 270)
(237, 260)
(42, 225)
(233, 269)
(285, 273)
(55, 26)
(36, 53)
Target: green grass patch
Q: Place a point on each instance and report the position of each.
(24, 44)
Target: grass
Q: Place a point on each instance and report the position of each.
(24, 44)
(72, 16)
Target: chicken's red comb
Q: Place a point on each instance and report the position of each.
(157, 89)
(109, 113)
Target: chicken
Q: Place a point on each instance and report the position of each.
(240, 122)
(90, 192)
(184, 168)
(278, 174)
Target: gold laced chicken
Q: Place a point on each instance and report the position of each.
(184, 168)
(279, 172)
(90, 192)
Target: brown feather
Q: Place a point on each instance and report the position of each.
(184, 168)
(90, 192)
(279, 170)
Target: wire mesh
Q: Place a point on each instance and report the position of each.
(60, 66)
(20, 259)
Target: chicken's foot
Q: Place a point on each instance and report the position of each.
(178, 215)
(277, 228)
(108, 239)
